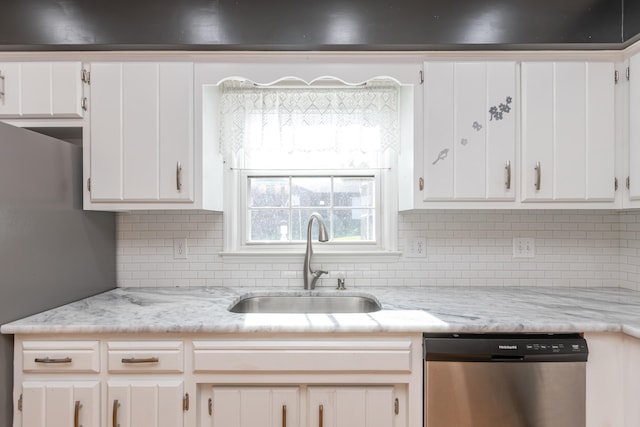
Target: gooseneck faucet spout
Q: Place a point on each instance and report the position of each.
(322, 237)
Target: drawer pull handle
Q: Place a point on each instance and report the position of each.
(507, 182)
(76, 414)
(49, 360)
(179, 176)
(320, 415)
(2, 92)
(116, 405)
(143, 360)
(284, 415)
(538, 170)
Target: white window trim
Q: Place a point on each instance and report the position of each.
(235, 226)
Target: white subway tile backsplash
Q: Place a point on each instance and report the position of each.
(573, 248)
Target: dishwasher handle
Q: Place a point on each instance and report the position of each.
(505, 358)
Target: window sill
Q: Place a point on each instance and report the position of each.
(335, 257)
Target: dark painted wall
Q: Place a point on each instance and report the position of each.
(309, 24)
(631, 21)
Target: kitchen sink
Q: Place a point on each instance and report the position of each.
(314, 302)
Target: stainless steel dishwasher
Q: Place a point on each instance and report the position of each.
(524, 380)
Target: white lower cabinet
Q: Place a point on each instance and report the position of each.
(351, 407)
(215, 381)
(313, 406)
(60, 403)
(145, 403)
(255, 406)
(631, 390)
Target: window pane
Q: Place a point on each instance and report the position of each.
(311, 192)
(268, 192)
(269, 224)
(354, 225)
(358, 192)
(299, 220)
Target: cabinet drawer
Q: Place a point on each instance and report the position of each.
(147, 356)
(60, 356)
(298, 356)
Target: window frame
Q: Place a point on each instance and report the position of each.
(237, 227)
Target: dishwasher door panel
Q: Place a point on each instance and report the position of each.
(505, 394)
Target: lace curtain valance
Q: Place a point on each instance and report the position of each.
(308, 127)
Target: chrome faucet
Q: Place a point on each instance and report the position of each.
(322, 237)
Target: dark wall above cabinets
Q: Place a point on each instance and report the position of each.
(315, 25)
(631, 19)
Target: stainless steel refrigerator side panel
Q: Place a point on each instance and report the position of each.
(51, 251)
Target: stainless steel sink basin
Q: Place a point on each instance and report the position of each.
(307, 303)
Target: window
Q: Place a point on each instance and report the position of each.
(279, 207)
(294, 149)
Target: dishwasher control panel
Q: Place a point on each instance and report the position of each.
(505, 347)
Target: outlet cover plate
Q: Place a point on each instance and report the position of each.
(416, 247)
(180, 248)
(524, 247)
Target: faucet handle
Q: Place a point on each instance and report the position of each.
(319, 273)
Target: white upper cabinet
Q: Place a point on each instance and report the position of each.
(141, 134)
(41, 90)
(568, 131)
(469, 131)
(634, 128)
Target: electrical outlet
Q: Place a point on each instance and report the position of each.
(416, 247)
(524, 247)
(180, 248)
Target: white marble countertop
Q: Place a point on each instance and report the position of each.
(437, 309)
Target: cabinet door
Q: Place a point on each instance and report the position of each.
(106, 161)
(631, 378)
(51, 403)
(140, 155)
(469, 130)
(634, 127)
(255, 406)
(175, 115)
(41, 89)
(145, 403)
(142, 132)
(568, 133)
(350, 407)
(10, 89)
